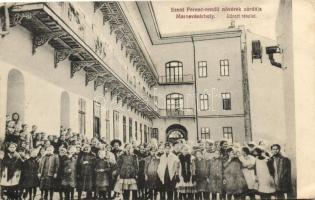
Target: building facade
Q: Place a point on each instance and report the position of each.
(104, 70)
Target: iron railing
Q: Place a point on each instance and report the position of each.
(170, 80)
(183, 112)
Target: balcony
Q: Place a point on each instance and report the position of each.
(176, 80)
(177, 113)
(68, 31)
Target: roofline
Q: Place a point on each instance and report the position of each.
(147, 14)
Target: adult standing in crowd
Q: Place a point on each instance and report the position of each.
(281, 172)
(266, 184)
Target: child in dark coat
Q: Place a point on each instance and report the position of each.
(215, 179)
(153, 182)
(102, 170)
(29, 178)
(141, 155)
(85, 172)
(127, 169)
(47, 172)
(201, 173)
(62, 155)
(69, 173)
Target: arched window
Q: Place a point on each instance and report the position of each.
(174, 71)
(174, 104)
(16, 94)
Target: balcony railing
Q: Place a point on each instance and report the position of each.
(174, 80)
(184, 112)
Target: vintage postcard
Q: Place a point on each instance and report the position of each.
(176, 100)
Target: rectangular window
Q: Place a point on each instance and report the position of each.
(116, 124)
(130, 129)
(224, 67)
(82, 110)
(205, 133)
(155, 133)
(204, 102)
(226, 101)
(107, 123)
(202, 67)
(97, 119)
(145, 134)
(228, 133)
(124, 129)
(136, 130)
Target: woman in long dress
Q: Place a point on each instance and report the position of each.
(266, 184)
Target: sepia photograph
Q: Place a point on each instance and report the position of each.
(147, 100)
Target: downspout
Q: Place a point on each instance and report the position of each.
(196, 92)
(246, 93)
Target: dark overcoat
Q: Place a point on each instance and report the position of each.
(29, 177)
(234, 180)
(85, 172)
(215, 175)
(69, 171)
(202, 173)
(127, 166)
(283, 179)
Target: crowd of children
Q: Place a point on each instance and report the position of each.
(69, 166)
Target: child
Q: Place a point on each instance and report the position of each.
(85, 171)
(215, 177)
(48, 168)
(11, 171)
(127, 169)
(57, 182)
(186, 171)
(141, 155)
(102, 169)
(167, 171)
(202, 173)
(29, 177)
(234, 181)
(152, 181)
(68, 173)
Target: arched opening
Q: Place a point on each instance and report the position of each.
(65, 110)
(16, 94)
(176, 132)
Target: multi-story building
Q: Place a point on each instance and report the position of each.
(105, 70)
